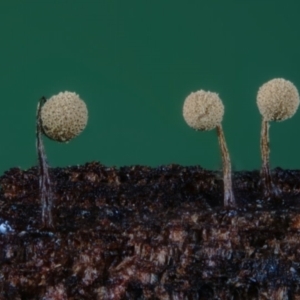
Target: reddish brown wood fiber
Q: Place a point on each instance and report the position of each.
(149, 233)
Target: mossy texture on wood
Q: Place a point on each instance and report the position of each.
(149, 233)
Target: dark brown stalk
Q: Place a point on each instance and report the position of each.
(45, 187)
(229, 200)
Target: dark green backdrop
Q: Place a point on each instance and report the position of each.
(134, 62)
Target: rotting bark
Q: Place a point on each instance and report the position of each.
(149, 233)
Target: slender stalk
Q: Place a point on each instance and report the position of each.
(45, 186)
(229, 200)
(266, 180)
(265, 154)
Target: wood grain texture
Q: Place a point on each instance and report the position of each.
(149, 233)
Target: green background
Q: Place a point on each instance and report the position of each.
(134, 62)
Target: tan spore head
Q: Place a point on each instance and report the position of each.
(277, 100)
(203, 110)
(64, 116)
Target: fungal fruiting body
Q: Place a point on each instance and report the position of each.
(277, 100)
(61, 118)
(203, 110)
(64, 116)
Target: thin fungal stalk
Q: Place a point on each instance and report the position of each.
(266, 180)
(265, 154)
(45, 186)
(229, 200)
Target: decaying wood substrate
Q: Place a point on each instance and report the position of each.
(149, 233)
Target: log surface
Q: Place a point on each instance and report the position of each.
(149, 233)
